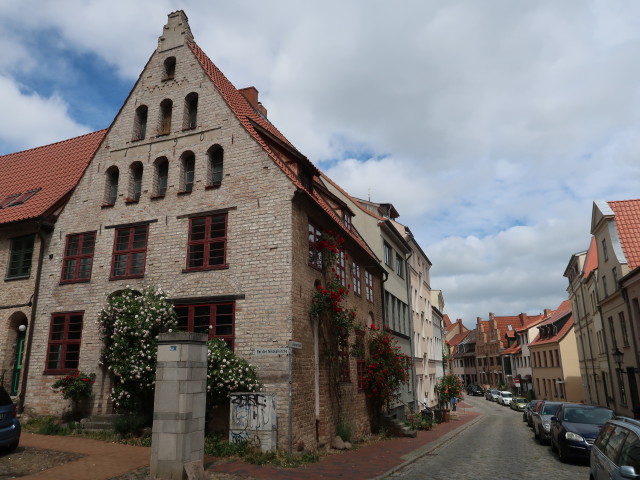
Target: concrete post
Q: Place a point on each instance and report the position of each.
(179, 405)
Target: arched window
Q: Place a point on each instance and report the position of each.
(166, 106)
(169, 68)
(111, 191)
(140, 123)
(215, 155)
(190, 111)
(135, 181)
(161, 176)
(188, 171)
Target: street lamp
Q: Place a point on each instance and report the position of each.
(617, 357)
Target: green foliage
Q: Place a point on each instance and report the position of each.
(218, 446)
(227, 373)
(131, 425)
(129, 327)
(449, 386)
(280, 458)
(344, 429)
(76, 386)
(419, 422)
(328, 300)
(387, 368)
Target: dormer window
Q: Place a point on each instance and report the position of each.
(135, 181)
(166, 107)
(347, 220)
(111, 190)
(191, 111)
(188, 172)
(169, 68)
(215, 155)
(140, 123)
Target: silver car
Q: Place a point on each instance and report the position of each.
(616, 453)
(542, 420)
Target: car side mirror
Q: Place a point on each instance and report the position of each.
(627, 471)
(555, 419)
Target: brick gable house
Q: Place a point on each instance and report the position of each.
(34, 195)
(195, 191)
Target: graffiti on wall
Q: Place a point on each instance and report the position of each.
(253, 419)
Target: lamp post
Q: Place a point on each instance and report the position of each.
(617, 357)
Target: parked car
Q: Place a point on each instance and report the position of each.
(616, 452)
(475, 390)
(504, 397)
(574, 429)
(542, 420)
(491, 395)
(518, 404)
(531, 407)
(9, 423)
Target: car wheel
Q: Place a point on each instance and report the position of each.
(535, 433)
(11, 447)
(553, 445)
(562, 456)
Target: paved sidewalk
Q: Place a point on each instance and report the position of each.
(104, 460)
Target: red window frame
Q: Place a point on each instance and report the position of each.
(63, 348)
(202, 245)
(357, 279)
(368, 285)
(217, 319)
(315, 254)
(130, 254)
(77, 259)
(360, 359)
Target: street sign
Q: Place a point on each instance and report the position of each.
(296, 345)
(271, 351)
(517, 381)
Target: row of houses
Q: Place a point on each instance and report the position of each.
(586, 350)
(192, 189)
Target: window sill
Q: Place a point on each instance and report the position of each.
(157, 197)
(107, 205)
(66, 371)
(314, 266)
(188, 129)
(184, 192)
(17, 277)
(126, 277)
(162, 134)
(129, 201)
(215, 186)
(206, 269)
(81, 280)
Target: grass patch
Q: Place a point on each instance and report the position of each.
(280, 458)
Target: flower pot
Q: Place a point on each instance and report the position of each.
(446, 415)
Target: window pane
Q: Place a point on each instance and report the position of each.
(75, 327)
(201, 319)
(72, 356)
(72, 246)
(183, 318)
(216, 253)
(57, 329)
(196, 256)
(85, 267)
(53, 359)
(122, 239)
(197, 229)
(69, 269)
(140, 237)
(217, 227)
(137, 264)
(88, 242)
(120, 265)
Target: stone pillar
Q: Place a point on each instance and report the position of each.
(179, 405)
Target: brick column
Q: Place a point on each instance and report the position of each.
(179, 404)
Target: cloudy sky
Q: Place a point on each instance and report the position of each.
(491, 126)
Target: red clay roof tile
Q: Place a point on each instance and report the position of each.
(627, 218)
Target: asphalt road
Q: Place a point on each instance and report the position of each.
(499, 446)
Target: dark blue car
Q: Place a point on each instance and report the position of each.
(574, 429)
(9, 423)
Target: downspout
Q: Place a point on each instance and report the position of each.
(34, 307)
(411, 338)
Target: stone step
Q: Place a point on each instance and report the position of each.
(99, 422)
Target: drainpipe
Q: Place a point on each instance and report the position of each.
(34, 307)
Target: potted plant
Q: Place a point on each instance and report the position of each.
(449, 386)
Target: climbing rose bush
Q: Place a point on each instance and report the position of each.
(129, 327)
(76, 386)
(387, 369)
(227, 373)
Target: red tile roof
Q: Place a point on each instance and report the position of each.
(512, 350)
(252, 121)
(456, 339)
(627, 218)
(561, 312)
(55, 169)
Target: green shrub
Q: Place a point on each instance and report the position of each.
(131, 425)
(218, 446)
(280, 458)
(344, 430)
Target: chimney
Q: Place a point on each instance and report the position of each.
(547, 311)
(491, 315)
(251, 94)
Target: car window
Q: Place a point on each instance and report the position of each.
(630, 452)
(550, 408)
(612, 448)
(5, 399)
(606, 432)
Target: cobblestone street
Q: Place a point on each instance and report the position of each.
(499, 446)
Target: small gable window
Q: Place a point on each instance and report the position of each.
(215, 155)
(135, 182)
(190, 111)
(188, 172)
(169, 68)
(20, 257)
(166, 107)
(161, 176)
(140, 123)
(111, 191)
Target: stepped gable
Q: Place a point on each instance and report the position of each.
(627, 218)
(266, 134)
(49, 173)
